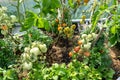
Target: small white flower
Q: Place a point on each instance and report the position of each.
(89, 36)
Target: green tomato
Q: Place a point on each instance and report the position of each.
(25, 56)
(27, 65)
(43, 48)
(84, 35)
(94, 35)
(26, 49)
(89, 37)
(87, 46)
(35, 51)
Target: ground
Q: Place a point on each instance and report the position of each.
(115, 56)
(58, 53)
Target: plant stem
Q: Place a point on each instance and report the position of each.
(18, 10)
(24, 8)
(13, 38)
(99, 34)
(98, 16)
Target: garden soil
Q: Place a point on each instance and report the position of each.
(58, 52)
(115, 56)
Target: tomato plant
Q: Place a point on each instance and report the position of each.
(6, 52)
(6, 22)
(114, 27)
(8, 74)
(35, 53)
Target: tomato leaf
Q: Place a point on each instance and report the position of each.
(29, 21)
(113, 29)
(113, 40)
(40, 23)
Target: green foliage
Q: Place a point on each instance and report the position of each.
(75, 70)
(9, 74)
(30, 20)
(34, 34)
(6, 21)
(114, 27)
(50, 6)
(33, 19)
(40, 20)
(6, 52)
(100, 59)
(97, 15)
(70, 2)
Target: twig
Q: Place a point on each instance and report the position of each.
(13, 38)
(99, 34)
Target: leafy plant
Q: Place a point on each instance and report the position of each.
(9, 74)
(99, 12)
(31, 54)
(75, 70)
(96, 55)
(84, 45)
(20, 15)
(47, 7)
(34, 34)
(101, 61)
(32, 19)
(42, 20)
(6, 21)
(6, 52)
(114, 27)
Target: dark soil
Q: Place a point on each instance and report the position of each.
(115, 56)
(1, 36)
(58, 52)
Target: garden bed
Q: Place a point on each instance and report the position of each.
(60, 42)
(114, 53)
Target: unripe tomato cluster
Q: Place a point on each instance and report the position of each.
(31, 54)
(84, 45)
(65, 30)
